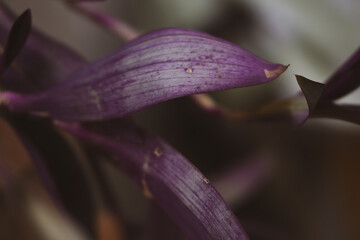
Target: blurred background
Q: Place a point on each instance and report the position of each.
(303, 182)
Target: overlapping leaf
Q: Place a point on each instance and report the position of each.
(180, 189)
(320, 97)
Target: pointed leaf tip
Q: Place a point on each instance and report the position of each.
(312, 91)
(276, 72)
(16, 39)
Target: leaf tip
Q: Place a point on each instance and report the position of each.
(312, 91)
(27, 14)
(276, 72)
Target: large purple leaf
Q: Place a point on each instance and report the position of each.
(16, 39)
(345, 79)
(177, 186)
(155, 67)
(42, 63)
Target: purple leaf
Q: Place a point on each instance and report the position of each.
(16, 40)
(41, 64)
(345, 79)
(153, 68)
(177, 186)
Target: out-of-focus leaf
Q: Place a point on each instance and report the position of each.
(16, 40)
(42, 63)
(161, 227)
(311, 90)
(153, 68)
(180, 189)
(241, 181)
(345, 112)
(14, 161)
(344, 80)
(109, 217)
(108, 226)
(58, 168)
(119, 28)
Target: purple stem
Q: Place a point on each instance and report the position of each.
(116, 26)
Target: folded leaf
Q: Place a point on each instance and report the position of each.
(311, 90)
(177, 186)
(155, 67)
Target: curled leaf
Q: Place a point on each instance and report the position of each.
(177, 186)
(153, 68)
(311, 90)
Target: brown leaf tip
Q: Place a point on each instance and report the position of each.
(276, 72)
(158, 152)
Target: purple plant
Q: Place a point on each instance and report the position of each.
(47, 86)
